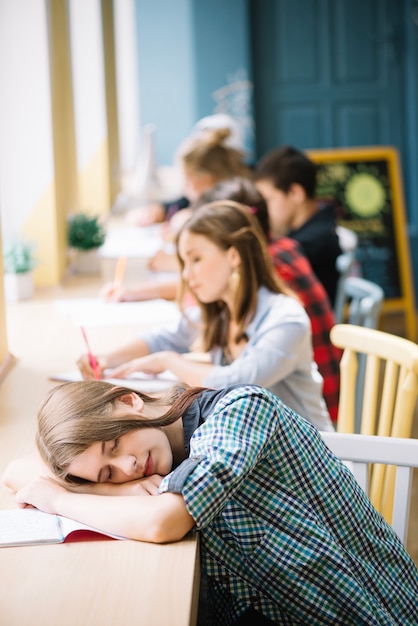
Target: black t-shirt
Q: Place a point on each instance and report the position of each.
(319, 241)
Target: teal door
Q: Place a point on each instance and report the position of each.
(328, 73)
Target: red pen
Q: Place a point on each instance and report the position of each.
(92, 358)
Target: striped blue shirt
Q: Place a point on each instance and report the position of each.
(284, 526)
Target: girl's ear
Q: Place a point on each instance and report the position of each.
(234, 257)
(133, 400)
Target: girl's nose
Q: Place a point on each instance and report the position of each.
(126, 464)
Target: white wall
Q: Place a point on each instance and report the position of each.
(26, 156)
(127, 84)
(88, 78)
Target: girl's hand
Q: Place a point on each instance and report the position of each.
(42, 493)
(162, 261)
(112, 293)
(86, 369)
(150, 364)
(147, 486)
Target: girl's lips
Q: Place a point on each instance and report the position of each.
(148, 466)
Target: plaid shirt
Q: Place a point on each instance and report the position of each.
(284, 526)
(295, 270)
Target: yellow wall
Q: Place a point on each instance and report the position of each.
(93, 183)
(42, 226)
(3, 334)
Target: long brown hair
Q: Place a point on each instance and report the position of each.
(75, 415)
(230, 224)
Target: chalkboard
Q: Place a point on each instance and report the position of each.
(367, 188)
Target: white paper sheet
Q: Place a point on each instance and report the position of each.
(96, 312)
(136, 381)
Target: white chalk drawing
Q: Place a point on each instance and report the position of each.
(235, 99)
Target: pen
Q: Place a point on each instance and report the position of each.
(92, 358)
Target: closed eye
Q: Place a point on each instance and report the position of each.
(115, 444)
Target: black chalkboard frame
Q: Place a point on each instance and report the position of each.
(365, 160)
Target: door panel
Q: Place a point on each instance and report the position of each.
(327, 73)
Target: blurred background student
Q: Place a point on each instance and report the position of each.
(286, 178)
(207, 157)
(200, 164)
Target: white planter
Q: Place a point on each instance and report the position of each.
(87, 261)
(18, 287)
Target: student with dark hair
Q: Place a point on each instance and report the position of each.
(286, 178)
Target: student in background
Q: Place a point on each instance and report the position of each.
(286, 534)
(232, 142)
(296, 272)
(287, 179)
(253, 327)
(206, 159)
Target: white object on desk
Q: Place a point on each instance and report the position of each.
(97, 312)
(20, 527)
(138, 381)
(132, 242)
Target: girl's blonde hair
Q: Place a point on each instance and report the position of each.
(230, 224)
(75, 415)
(208, 153)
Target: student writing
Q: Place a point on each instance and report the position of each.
(252, 326)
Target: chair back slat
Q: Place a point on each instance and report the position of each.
(394, 453)
(348, 367)
(389, 397)
(401, 500)
(370, 396)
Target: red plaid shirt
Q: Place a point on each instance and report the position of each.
(295, 270)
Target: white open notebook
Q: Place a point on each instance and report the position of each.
(20, 527)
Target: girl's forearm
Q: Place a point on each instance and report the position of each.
(186, 369)
(141, 487)
(128, 352)
(156, 519)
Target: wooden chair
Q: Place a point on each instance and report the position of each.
(389, 397)
(361, 450)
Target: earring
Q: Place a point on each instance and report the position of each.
(234, 280)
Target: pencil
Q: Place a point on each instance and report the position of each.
(92, 358)
(119, 272)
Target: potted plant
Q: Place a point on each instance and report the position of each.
(85, 235)
(18, 263)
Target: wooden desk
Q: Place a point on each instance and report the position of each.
(109, 583)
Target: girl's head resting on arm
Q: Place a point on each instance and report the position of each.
(224, 260)
(75, 417)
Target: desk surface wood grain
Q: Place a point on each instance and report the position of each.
(78, 584)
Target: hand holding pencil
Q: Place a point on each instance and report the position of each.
(113, 291)
(91, 358)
